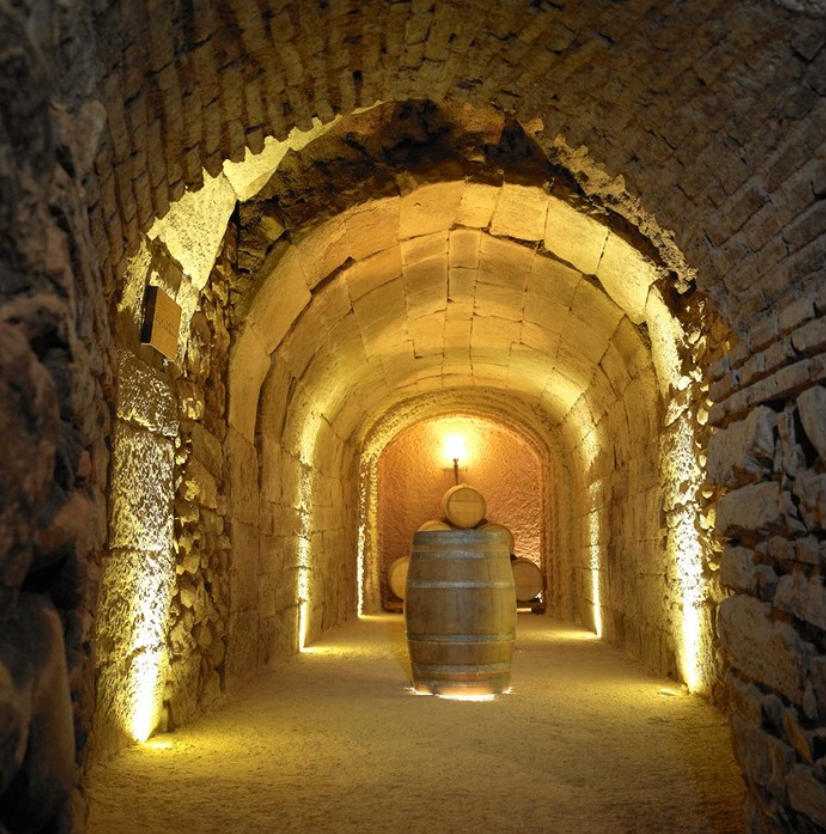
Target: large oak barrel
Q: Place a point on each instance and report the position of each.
(460, 612)
(397, 576)
(464, 507)
(527, 579)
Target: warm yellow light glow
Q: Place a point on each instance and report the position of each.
(685, 549)
(321, 650)
(595, 547)
(158, 744)
(455, 447)
(147, 689)
(303, 585)
(456, 696)
(463, 694)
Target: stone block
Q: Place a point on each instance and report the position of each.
(463, 248)
(626, 276)
(190, 400)
(141, 489)
(426, 287)
(757, 509)
(520, 212)
(318, 252)
(765, 760)
(811, 337)
(430, 208)
(574, 237)
(554, 280)
(804, 598)
(367, 275)
(144, 396)
(807, 795)
(476, 208)
(810, 490)
(248, 366)
(244, 566)
(811, 405)
(206, 448)
(746, 699)
(198, 485)
(371, 228)
(737, 569)
(743, 451)
(280, 295)
(794, 315)
(767, 651)
(242, 649)
(243, 467)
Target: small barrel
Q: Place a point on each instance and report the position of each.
(527, 579)
(464, 507)
(460, 613)
(433, 524)
(491, 525)
(397, 576)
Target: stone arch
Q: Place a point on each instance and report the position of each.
(707, 119)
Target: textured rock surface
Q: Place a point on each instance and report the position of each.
(36, 794)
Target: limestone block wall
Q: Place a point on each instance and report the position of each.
(307, 534)
(768, 459)
(164, 605)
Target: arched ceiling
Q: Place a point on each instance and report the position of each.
(676, 101)
(451, 286)
(411, 249)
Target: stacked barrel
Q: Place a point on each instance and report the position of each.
(460, 612)
(464, 508)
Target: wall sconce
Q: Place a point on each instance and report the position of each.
(455, 451)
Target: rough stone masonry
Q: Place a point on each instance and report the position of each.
(601, 224)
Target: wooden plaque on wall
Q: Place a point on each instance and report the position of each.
(161, 322)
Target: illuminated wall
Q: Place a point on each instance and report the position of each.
(414, 474)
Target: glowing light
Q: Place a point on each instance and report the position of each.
(147, 692)
(455, 447)
(469, 698)
(362, 543)
(303, 583)
(468, 695)
(307, 451)
(158, 744)
(595, 547)
(685, 549)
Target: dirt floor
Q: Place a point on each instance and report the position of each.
(335, 742)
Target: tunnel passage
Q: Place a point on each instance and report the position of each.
(407, 292)
(693, 133)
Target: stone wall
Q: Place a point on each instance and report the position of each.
(55, 371)
(165, 602)
(768, 459)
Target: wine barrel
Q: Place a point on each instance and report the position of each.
(460, 613)
(433, 524)
(527, 579)
(491, 525)
(397, 576)
(464, 507)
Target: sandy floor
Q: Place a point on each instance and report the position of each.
(334, 742)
